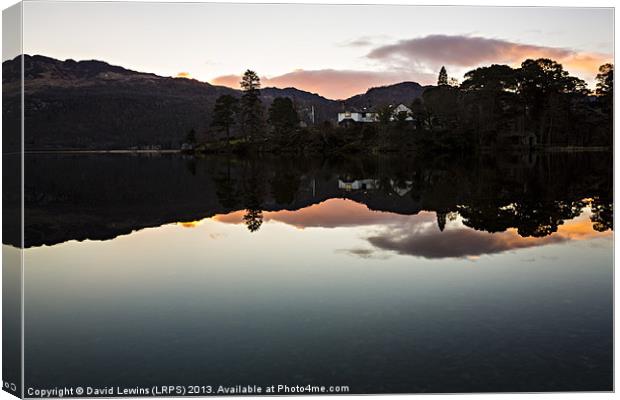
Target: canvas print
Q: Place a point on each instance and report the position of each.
(279, 199)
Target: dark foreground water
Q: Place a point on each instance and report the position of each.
(383, 275)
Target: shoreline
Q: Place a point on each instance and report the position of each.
(86, 151)
(549, 149)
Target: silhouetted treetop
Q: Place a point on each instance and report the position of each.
(224, 113)
(495, 77)
(443, 77)
(282, 115)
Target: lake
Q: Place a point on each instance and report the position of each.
(383, 274)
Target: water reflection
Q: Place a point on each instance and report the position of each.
(424, 234)
(170, 270)
(77, 197)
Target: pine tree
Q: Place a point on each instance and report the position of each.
(251, 106)
(224, 113)
(605, 87)
(283, 116)
(191, 137)
(442, 80)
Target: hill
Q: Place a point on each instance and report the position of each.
(404, 92)
(94, 105)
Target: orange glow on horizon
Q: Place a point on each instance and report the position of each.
(334, 213)
(330, 213)
(190, 224)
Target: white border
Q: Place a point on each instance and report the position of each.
(527, 3)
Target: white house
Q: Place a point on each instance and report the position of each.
(358, 184)
(370, 115)
(355, 115)
(401, 108)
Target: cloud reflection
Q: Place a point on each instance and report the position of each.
(417, 235)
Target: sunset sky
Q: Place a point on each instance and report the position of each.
(335, 50)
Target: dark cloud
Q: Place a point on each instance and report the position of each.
(470, 51)
(463, 50)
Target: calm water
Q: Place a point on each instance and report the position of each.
(386, 275)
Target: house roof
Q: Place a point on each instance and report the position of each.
(359, 110)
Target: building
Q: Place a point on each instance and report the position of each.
(368, 115)
(363, 115)
(348, 184)
(401, 108)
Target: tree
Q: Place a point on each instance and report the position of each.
(420, 114)
(544, 76)
(489, 99)
(253, 219)
(283, 116)
(547, 91)
(384, 115)
(441, 219)
(605, 87)
(224, 114)
(251, 106)
(605, 80)
(442, 104)
(602, 215)
(191, 137)
(443, 77)
(493, 78)
(284, 185)
(253, 184)
(401, 118)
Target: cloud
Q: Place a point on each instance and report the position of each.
(364, 41)
(331, 83)
(227, 80)
(428, 242)
(419, 60)
(470, 51)
(183, 75)
(365, 253)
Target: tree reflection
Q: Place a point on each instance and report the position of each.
(253, 194)
(226, 187)
(531, 219)
(490, 193)
(284, 186)
(602, 215)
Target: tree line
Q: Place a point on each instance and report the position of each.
(494, 105)
(538, 98)
(248, 112)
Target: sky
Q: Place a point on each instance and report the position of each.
(334, 50)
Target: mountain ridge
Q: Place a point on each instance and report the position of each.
(94, 104)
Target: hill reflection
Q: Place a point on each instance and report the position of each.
(422, 234)
(457, 200)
